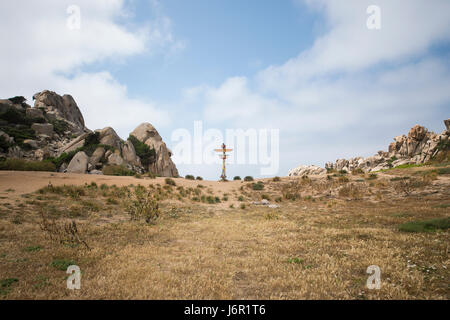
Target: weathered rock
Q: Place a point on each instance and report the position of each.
(34, 113)
(109, 137)
(163, 165)
(31, 143)
(74, 144)
(420, 146)
(79, 163)
(115, 159)
(447, 125)
(97, 155)
(129, 154)
(98, 172)
(15, 152)
(43, 128)
(5, 105)
(65, 106)
(306, 170)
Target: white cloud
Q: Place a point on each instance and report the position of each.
(39, 52)
(353, 90)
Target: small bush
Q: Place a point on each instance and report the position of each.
(248, 178)
(372, 176)
(199, 178)
(190, 177)
(443, 170)
(113, 170)
(276, 179)
(170, 182)
(258, 186)
(62, 264)
(151, 175)
(357, 171)
(425, 226)
(265, 197)
(25, 165)
(242, 206)
(342, 171)
(236, 178)
(5, 285)
(142, 204)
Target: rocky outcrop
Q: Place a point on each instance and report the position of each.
(306, 170)
(59, 107)
(55, 128)
(420, 146)
(163, 165)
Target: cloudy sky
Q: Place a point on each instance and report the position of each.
(310, 68)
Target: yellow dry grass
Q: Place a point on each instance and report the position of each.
(316, 247)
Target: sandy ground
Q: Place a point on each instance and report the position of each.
(13, 184)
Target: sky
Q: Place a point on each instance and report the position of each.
(310, 69)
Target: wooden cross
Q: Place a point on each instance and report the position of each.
(223, 156)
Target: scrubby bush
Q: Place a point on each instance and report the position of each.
(170, 182)
(190, 177)
(258, 186)
(248, 178)
(114, 170)
(237, 178)
(276, 179)
(357, 171)
(142, 204)
(199, 178)
(25, 165)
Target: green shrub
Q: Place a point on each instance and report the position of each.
(20, 133)
(170, 182)
(114, 170)
(258, 186)
(425, 226)
(236, 178)
(443, 170)
(357, 171)
(248, 178)
(276, 179)
(147, 155)
(199, 178)
(5, 285)
(59, 126)
(190, 177)
(25, 165)
(62, 264)
(342, 171)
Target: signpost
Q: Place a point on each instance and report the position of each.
(223, 156)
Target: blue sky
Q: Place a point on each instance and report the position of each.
(310, 68)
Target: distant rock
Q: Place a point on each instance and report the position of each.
(306, 170)
(420, 146)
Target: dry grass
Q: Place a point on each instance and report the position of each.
(315, 246)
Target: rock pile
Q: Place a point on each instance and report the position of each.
(54, 130)
(420, 146)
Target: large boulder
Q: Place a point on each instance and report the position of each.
(115, 159)
(163, 165)
(129, 154)
(79, 163)
(447, 125)
(64, 106)
(109, 137)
